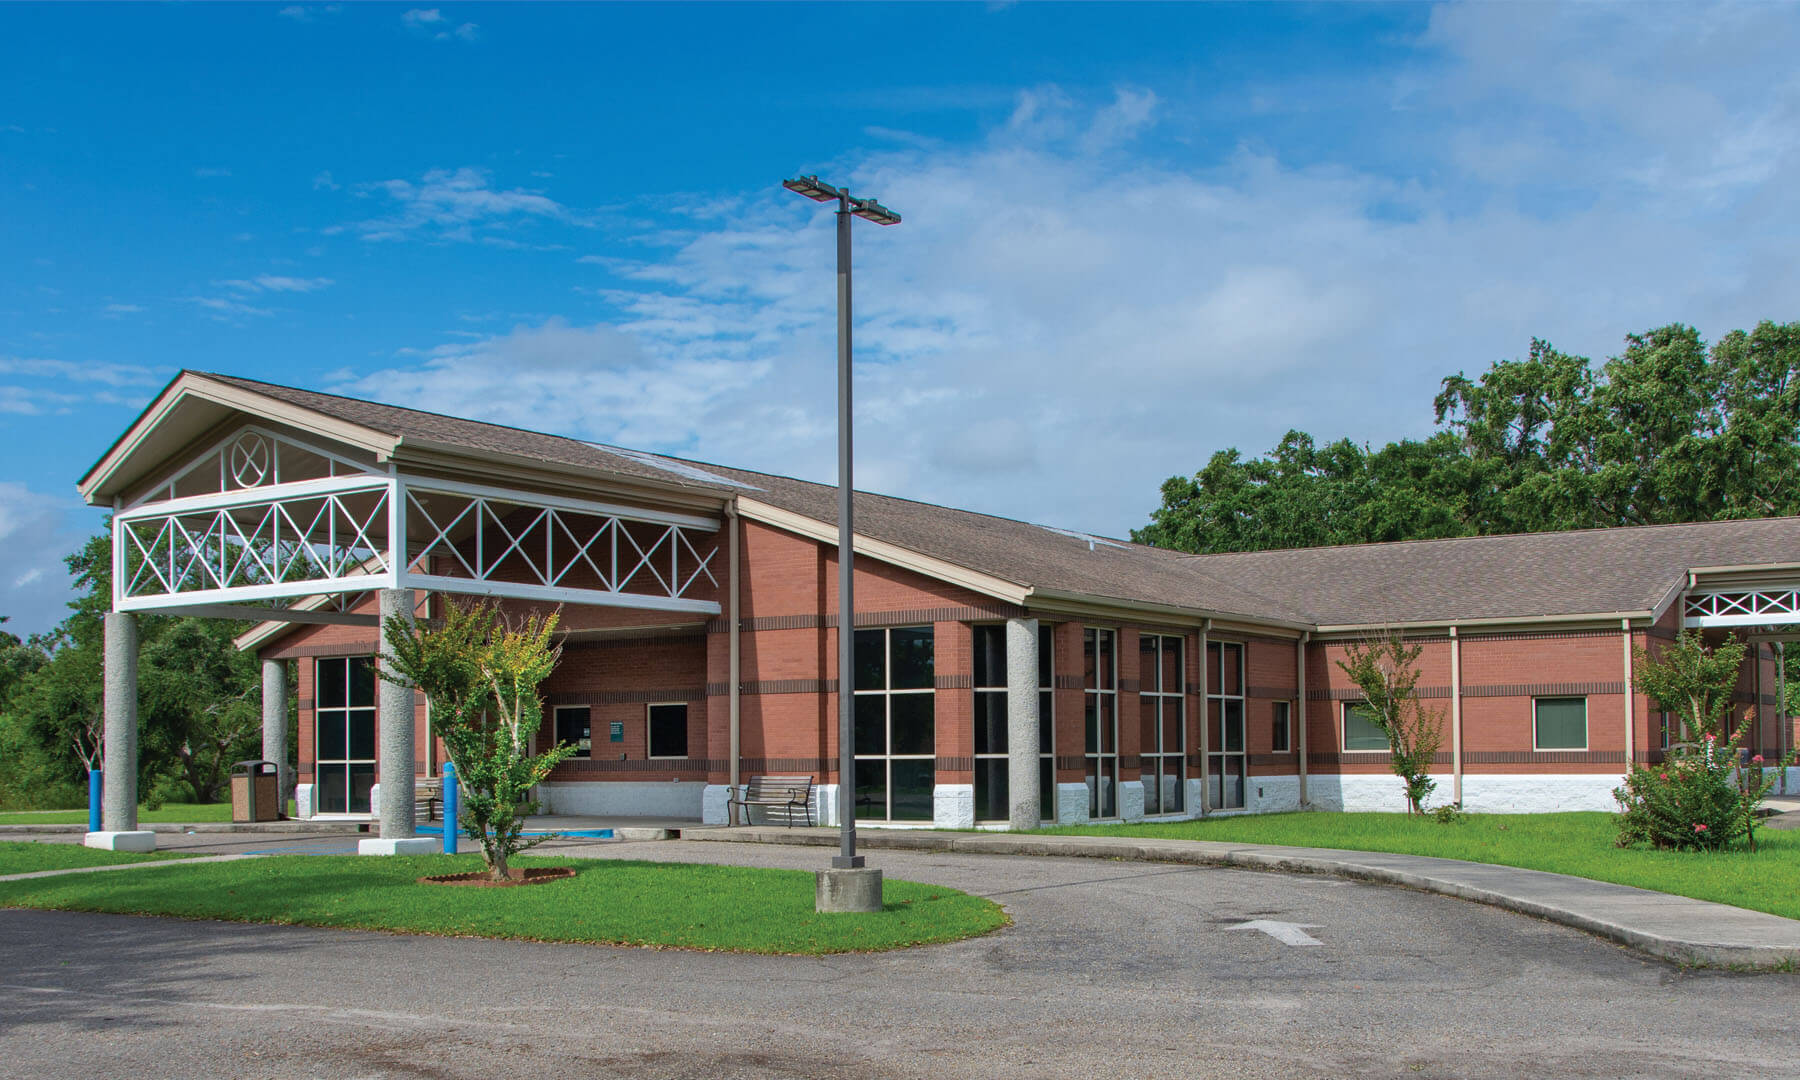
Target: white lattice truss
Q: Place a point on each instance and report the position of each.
(1742, 607)
(341, 534)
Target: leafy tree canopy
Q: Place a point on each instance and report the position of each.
(1667, 431)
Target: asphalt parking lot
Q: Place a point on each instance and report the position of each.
(1110, 968)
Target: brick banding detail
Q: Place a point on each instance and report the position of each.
(623, 697)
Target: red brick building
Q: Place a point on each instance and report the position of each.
(1166, 684)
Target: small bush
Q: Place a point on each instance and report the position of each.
(1691, 802)
(1449, 814)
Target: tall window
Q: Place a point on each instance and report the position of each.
(344, 733)
(1361, 732)
(573, 728)
(1162, 709)
(1559, 723)
(1279, 725)
(895, 724)
(1225, 721)
(1100, 664)
(668, 730)
(990, 725)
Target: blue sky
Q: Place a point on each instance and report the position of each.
(1134, 234)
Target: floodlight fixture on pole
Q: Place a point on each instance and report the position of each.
(869, 210)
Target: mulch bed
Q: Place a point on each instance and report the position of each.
(536, 875)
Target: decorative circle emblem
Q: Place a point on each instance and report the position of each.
(250, 459)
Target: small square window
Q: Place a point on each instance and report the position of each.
(1559, 723)
(1361, 732)
(668, 731)
(1278, 732)
(572, 728)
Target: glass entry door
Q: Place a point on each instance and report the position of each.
(343, 734)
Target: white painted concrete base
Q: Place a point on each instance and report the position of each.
(713, 804)
(1375, 791)
(824, 804)
(303, 801)
(1501, 794)
(953, 806)
(1131, 800)
(1196, 790)
(135, 840)
(411, 845)
(641, 798)
(1272, 794)
(1071, 804)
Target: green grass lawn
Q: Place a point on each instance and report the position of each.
(1577, 843)
(608, 902)
(184, 813)
(23, 857)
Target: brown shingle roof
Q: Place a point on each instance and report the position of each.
(1590, 571)
(1600, 571)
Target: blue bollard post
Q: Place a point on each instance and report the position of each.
(449, 808)
(96, 784)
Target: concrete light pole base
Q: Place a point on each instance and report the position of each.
(134, 840)
(849, 890)
(408, 845)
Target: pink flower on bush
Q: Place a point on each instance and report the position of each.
(1699, 827)
(1712, 738)
(1662, 776)
(1757, 759)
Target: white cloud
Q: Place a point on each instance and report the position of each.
(324, 182)
(225, 309)
(275, 283)
(1062, 321)
(113, 311)
(296, 12)
(432, 23)
(453, 205)
(119, 375)
(209, 174)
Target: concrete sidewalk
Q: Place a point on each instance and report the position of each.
(1672, 927)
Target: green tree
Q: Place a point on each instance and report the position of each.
(480, 672)
(1386, 670)
(1667, 431)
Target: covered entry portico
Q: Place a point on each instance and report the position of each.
(227, 503)
(1761, 603)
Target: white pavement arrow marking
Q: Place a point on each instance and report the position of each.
(1285, 932)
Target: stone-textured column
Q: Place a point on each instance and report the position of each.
(1023, 809)
(119, 797)
(274, 721)
(394, 705)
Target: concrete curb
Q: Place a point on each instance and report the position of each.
(204, 827)
(1687, 931)
(128, 866)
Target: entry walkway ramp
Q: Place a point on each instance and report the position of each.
(1675, 928)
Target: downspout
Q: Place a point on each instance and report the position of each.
(732, 633)
(1630, 699)
(1300, 709)
(1456, 757)
(1781, 717)
(1205, 723)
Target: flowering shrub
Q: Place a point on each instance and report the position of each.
(1694, 801)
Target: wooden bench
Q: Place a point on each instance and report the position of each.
(429, 793)
(786, 796)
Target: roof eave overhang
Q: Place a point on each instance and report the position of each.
(1496, 623)
(104, 480)
(1069, 602)
(1012, 592)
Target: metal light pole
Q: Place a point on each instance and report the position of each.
(870, 210)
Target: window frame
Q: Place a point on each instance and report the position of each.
(1282, 713)
(555, 725)
(1587, 737)
(1106, 690)
(1387, 746)
(887, 692)
(649, 737)
(1046, 711)
(1163, 697)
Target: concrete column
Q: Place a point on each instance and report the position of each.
(274, 721)
(395, 749)
(1023, 802)
(119, 798)
(119, 703)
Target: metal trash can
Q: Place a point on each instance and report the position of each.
(255, 791)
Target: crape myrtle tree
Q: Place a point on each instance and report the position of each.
(1385, 670)
(1667, 431)
(1705, 793)
(480, 670)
